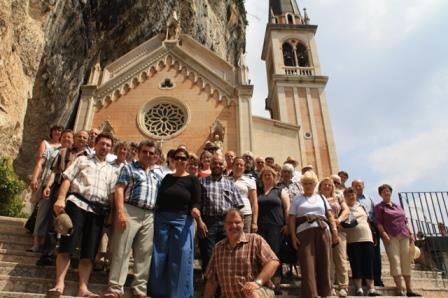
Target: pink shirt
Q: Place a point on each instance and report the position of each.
(392, 218)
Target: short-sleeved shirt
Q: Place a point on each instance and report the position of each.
(141, 185)
(368, 204)
(219, 195)
(244, 184)
(294, 189)
(179, 194)
(361, 232)
(231, 268)
(270, 208)
(93, 179)
(313, 205)
(392, 218)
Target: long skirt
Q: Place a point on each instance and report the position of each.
(172, 258)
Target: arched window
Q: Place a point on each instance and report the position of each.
(290, 19)
(288, 55)
(302, 55)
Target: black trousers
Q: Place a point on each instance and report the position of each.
(215, 227)
(376, 255)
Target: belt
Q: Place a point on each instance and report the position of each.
(136, 205)
(321, 220)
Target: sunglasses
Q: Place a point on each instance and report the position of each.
(181, 158)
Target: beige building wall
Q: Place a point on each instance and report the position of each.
(203, 110)
(276, 139)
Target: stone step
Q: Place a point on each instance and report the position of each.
(18, 256)
(14, 229)
(5, 220)
(16, 238)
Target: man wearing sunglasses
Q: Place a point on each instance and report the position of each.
(135, 197)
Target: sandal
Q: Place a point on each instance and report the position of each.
(55, 292)
(111, 295)
(90, 295)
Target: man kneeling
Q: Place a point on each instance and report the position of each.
(242, 264)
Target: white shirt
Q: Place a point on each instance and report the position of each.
(244, 184)
(303, 205)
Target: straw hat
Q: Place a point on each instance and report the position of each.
(63, 224)
(414, 251)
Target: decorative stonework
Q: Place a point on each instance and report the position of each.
(163, 118)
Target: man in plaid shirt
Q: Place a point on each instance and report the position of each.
(218, 195)
(242, 264)
(135, 198)
(91, 181)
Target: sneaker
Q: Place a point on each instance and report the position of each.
(413, 294)
(373, 293)
(342, 293)
(360, 292)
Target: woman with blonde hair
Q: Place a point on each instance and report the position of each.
(313, 229)
(339, 272)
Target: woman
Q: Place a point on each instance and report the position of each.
(273, 206)
(396, 234)
(339, 273)
(310, 222)
(359, 245)
(43, 166)
(248, 190)
(204, 164)
(294, 189)
(193, 164)
(178, 203)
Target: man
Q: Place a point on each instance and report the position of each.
(269, 161)
(242, 264)
(91, 181)
(368, 204)
(229, 156)
(344, 177)
(90, 148)
(218, 195)
(259, 165)
(135, 197)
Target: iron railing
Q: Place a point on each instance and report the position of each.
(427, 214)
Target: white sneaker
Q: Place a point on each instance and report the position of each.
(360, 292)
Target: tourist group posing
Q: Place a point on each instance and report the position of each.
(253, 221)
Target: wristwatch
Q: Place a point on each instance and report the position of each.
(259, 282)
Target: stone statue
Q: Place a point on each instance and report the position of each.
(172, 27)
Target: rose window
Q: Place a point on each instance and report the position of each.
(164, 119)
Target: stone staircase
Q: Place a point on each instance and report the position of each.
(20, 277)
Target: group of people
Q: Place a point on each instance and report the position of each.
(244, 210)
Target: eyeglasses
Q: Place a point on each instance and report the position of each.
(181, 158)
(260, 162)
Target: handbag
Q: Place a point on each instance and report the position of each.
(350, 222)
(287, 253)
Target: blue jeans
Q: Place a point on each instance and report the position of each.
(172, 257)
(215, 226)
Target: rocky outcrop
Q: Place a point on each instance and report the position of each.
(47, 48)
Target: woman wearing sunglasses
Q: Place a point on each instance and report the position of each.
(177, 204)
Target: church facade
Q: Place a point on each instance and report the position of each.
(176, 91)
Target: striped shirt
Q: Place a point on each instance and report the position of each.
(141, 185)
(231, 268)
(219, 195)
(93, 179)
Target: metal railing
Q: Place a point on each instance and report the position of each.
(299, 71)
(427, 214)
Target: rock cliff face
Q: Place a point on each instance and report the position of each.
(47, 48)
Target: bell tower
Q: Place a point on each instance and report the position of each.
(296, 85)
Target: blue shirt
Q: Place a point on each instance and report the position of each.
(219, 195)
(141, 185)
(367, 202)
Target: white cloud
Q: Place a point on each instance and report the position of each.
(405, 162)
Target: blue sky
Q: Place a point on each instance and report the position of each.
(388, 89)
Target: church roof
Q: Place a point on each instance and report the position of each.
(280, 7)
